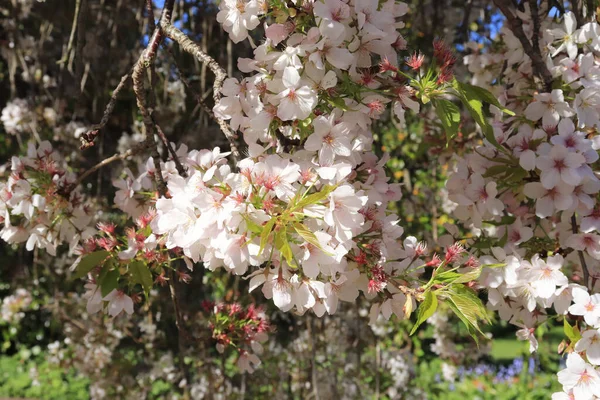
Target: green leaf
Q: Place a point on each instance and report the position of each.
(337, 102)
(496, 170)
(110, 280)
(449, 115)
(517, 175)
(484, 95)
(426, 310)
(446, 277)
(140, 273)
(280, 16)
(283, 245)
(107, 267)
(468, 307)
(472, 331)
(286, 251)
(452, 277)
(469, 276)
(306, 123)
(88, 262)
(309, 236)
(498, 265)
(279, 237)
(471, 99)
(315, 197)
(481, 243)
(572, 332)
(506, 220)
(266, 233)
(252, 226)
(504, 239)
(146, 231)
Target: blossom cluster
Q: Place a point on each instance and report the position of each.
(316, 78)
(122, 266)
(40, 203)
(13, 306)
(14, 116)
(308, 240)
(530, 191)
(308, 225)
(243, 328)
(19, 117)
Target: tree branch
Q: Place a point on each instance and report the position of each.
(190, 47)
(516, 26)
(151, 127)
(146, 59)
(535, 16)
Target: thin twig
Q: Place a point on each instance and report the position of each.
(103, 163)
(67, 53)
(182, 332)
(175, 300)
(138, 82)
(137, 149)
(463, 28)
(72, 321)
(150, 11)
(146, 59)
(591, 4)
(78, 55)
(190, 47)
(313, 361)
(516, 26)
(584, 267)
(180, 168)
(187, 84)
(87, 139)
(160, 180)
(577, 11)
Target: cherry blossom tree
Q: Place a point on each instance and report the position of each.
(301, 206)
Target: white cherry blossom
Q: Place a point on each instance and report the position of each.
(297, 101)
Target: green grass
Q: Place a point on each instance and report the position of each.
(505, 349)
(508, 348)
(53, 383)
